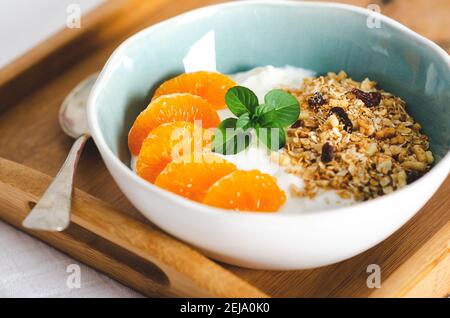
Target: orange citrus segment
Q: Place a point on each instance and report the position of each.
(192, 176)
(171, 108)
(168, 142)
(211, 86)
(246, 191)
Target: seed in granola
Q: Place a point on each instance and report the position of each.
(333, 120)
(429, 156)
(384, 181)
(412, 176)
(401, 178)
(340, 112)
(328, 152)
(420, 153)
(404, 130)
(414, 165)
(388, 190)
(399, 139)
(384, 166)
(316, 100)
(371, 149)
(384, 133)
(338, 102)
(365, 127)
(395, 150)
(369, 99)
(416, 126)
(367, 84)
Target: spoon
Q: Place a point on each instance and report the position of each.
(52, 211)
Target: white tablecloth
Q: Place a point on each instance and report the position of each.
(29, 268)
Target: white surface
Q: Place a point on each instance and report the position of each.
(29, 268)
(264, 240)
(25, 23)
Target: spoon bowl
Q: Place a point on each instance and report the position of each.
(72, 114)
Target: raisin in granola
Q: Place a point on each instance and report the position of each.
(370, 99)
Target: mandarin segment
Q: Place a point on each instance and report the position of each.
(171, 108)
(192, 176)
(168, 142)
(246, 191)
(211, 86)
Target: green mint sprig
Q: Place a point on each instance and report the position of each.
(279, 110)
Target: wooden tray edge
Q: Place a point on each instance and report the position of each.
(106, 239)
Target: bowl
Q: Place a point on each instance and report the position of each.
(321, 37)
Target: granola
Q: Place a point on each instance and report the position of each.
(353, 138)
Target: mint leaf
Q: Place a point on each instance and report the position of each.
(273, 137)
(266, 115)
(244, 121)
(261, 109)
(228, 139)
(241, 100)
(281, 109)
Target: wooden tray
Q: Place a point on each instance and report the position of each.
(108, 234)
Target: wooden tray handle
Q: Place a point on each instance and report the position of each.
(132, 252)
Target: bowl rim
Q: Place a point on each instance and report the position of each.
(202, 208)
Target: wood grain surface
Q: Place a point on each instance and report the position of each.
(414, 260)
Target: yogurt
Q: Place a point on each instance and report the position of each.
(261, 80)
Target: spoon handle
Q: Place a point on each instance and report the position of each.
(52, 211)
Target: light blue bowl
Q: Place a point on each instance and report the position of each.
(317, 36)
(313, 36)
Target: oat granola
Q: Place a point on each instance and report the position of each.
(353, 138)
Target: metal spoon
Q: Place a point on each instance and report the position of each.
(52, 211)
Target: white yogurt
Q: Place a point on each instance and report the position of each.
(261, 80)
